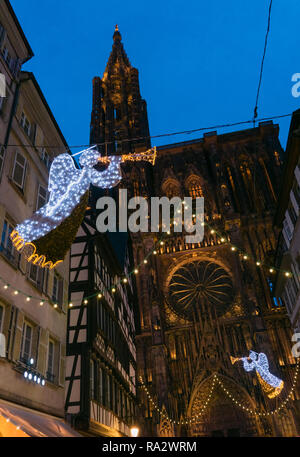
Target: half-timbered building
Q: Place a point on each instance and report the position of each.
(101, 354)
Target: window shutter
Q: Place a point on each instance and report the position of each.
(43, 346)
(65, 297)
(2, 35)
(6, 321)
(16, 338)
(46, 281)
(19, 170)
(23, 265)
(50, 283)
(60, 295)
(39, 136)
(35, 343)
(40, 277)
(62, 360)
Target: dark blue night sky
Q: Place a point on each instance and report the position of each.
(199, 61)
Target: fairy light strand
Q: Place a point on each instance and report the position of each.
(190, 419)
(156, 251)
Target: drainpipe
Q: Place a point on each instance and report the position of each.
(13, 110)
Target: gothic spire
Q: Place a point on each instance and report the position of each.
(117, 56)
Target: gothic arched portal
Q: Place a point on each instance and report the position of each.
(221, 416)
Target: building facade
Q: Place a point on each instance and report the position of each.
(33, 301)
(101, 353)
(287, 219)
(201, 304)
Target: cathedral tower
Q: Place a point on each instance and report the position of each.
(119, 113)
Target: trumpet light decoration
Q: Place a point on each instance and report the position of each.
(270, 384)
(46, 237)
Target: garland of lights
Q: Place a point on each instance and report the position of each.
(155, 251)
(263, 413)
(186, 421)
(216, 379)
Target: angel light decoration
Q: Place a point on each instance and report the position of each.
(270, 384)
(60, 218)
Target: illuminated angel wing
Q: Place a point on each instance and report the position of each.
(109, 177)
(66, 186)
(62, 173)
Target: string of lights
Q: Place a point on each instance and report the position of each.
(263, 413)
(216, 379)
(245, 255)
(188, 420)
(161, 135)
(224, 239)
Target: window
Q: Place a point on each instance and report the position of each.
(292, 214)
(19, 170)
(25, 123)
(287, 230)
(195, 190)
(26, 342)
(45, 158)
(6, 244)
(6, 56)
(57, 291)
(50, 366)
(100, 386)
(1, 316)
(42, 197)
(36, 275)
(92, 379)
(296, 192)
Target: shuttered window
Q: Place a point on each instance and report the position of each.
(58, 290)
(42, 197)
(19, 170)
(26, 342)
(45, 158)
(50, 368)
(6, 245)
(25, 123)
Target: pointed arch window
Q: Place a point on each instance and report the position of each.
(136, 188)
(195, 189)
(171, 189)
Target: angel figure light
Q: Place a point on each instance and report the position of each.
(270, 384)
(46, 237)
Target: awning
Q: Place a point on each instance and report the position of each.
(16, 420)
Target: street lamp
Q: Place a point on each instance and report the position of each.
(134, 431)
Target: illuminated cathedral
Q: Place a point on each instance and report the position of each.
(202, 305)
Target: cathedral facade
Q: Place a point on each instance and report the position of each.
(203, 306)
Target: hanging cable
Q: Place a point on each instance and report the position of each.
(162, 135)
(262, 64)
